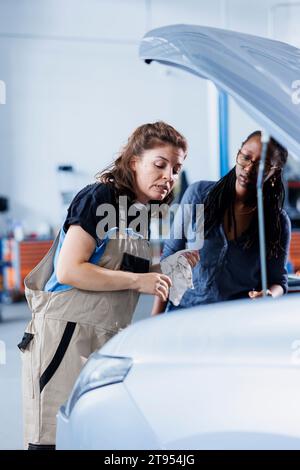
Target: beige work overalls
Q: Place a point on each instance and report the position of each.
(66, 327)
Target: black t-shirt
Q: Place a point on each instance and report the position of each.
(83, 208)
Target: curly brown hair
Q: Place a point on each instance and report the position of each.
(145, 137)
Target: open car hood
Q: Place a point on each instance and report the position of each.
(258, 73)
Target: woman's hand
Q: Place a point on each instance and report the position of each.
(275, 290)
(193, 257)
(155, 284)
(254, 294)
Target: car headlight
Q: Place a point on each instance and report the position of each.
(98, 371)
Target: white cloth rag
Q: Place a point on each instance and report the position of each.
(179, 270)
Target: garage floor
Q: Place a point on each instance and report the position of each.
(15, 318)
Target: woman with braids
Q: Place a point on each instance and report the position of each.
(229, 265)
(86, 288)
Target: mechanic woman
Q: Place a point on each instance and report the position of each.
(229, 265)
(86, 288)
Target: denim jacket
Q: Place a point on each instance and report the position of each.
(226, 269)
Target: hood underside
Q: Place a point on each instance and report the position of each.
(262, 75)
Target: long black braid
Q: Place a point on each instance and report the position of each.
(222, 198)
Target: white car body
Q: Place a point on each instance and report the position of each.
(221, 376)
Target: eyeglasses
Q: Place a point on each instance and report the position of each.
(245, 160)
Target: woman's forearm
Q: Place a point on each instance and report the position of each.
(88, 276)
(276, 290)
(158, 306)
(91, 277)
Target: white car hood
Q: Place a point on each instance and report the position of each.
(261, 331)
(258, 73)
